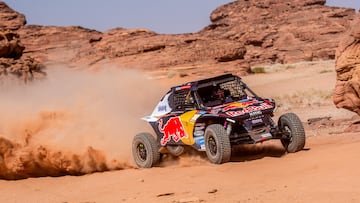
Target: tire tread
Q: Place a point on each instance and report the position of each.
(224, 143)
(150, 142)
(297, 131)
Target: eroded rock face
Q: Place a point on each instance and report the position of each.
(347, 89)
(25, 69)
(12, 62)
(10, 19)
(58, 45)
(10, 46)
(278, 31)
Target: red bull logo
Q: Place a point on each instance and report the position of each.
(238, 105)
(173, 128)
(249, 110)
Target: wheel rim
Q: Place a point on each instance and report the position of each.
(288, 132)
(212, 146)
(141, 151)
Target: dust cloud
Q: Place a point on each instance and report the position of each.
(73, 122)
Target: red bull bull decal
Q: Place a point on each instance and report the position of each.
(173, 128)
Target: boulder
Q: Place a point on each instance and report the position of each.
(10, 45)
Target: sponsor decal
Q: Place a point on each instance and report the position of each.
(198, 133)
(256, 121)
(249, 109)
(194, 118)
(255, 113)
(184, 87)
(238, 105)
(233, 106)
(200, 141)
(172, 129)
(162, 108)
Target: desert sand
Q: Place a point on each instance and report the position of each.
(325, 171)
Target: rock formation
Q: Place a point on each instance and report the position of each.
(278, 31)
(10, 46)
(11, 49)
(347, 89)
(243, 33)
(10, 19)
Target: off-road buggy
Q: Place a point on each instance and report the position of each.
(213, 115)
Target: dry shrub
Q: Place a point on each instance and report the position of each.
(311, 97)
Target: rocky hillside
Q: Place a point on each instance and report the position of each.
(347, 89)
(241, 34)
(281, 31)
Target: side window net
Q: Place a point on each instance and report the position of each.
(183, 99)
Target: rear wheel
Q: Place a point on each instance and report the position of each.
(145, 150)
(294, 134)
(217, 144)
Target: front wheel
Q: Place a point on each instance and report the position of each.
(294, 134)
(145, 150)
(217, 144)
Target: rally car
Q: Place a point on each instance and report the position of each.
(213, 115)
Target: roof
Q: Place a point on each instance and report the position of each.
(194, 85)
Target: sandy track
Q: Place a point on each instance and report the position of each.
(325, 172)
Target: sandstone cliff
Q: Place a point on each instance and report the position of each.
(241, 34)
(281, 31)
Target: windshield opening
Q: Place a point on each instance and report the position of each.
(221, 93)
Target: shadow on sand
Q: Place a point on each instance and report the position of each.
(251, 152)
(240, 153)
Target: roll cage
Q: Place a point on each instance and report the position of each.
(197, 95)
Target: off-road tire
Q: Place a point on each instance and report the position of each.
(175, 150)
(145, 150)
(291, 124)
(217, 144)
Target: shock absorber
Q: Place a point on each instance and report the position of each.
(228, 125)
